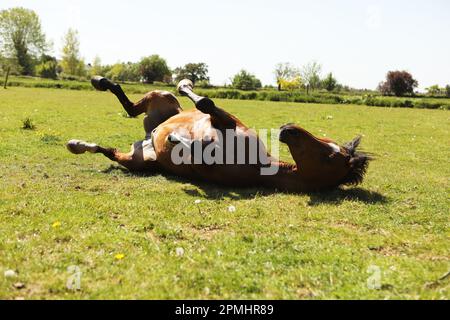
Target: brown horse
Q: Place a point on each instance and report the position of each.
(175, 138)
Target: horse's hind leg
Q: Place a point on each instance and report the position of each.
(219, 117)
(139, 158)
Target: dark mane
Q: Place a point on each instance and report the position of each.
(359, 162)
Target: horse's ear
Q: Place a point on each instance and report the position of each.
(352, 145)
(358, 168)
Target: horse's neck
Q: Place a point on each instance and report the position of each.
(285, 177)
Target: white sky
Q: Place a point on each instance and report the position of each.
(359, 41)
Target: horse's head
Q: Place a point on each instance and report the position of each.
(321, 162)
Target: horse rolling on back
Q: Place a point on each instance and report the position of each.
(177, 140)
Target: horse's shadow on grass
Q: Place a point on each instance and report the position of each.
(202, 189)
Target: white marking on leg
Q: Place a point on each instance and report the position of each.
(148, 150)
(79, 146)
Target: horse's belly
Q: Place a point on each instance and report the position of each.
(192, 147)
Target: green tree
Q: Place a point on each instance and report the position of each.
(285, 73)
(154, 68)
(329, 83)
(246, 81)
(311, 75)
(123, 72)
(97, 69)
(434, 90)
(48, 67)
(192, 71)
(71, 62)
(21, 38)
(292, 84)
(130, 72)
(447, 90)
(116, 72)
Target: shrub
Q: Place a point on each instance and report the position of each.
(290, 84)
(408, 104)
(329, 83)
(246, 81)
(203, 84)
(47, 69)
(28, 124)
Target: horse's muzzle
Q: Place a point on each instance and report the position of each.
(285, 131)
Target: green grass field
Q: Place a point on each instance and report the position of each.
(122, 230)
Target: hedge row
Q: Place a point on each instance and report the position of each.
(324, 99)
(257, 95)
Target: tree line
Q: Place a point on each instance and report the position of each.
(24, 51)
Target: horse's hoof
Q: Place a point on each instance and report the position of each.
(185, 84)
(100, 83)
(79, 147)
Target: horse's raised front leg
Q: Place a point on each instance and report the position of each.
(219, 117)
(141, 157)
(103, 84)
(158, 105)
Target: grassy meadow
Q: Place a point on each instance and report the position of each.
(132, 236)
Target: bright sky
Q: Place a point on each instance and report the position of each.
(359, 41)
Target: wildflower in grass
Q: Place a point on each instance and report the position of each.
(119, 256)
(56, 224)
(10, 274)
(179, 251)
(197, 202)
(231, 208)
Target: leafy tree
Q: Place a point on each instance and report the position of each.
(447, 90)
(97, 69)
(192, 71)
(48, 67)
(130, 72)
(285, 73)
(311, 75)
(398, 83)
(153, 68)
(315, 82)
(72, 63)
(246, 81)
(122, 72)
(329, 83)
(434, 90)
(115, 73)
(21, 38)
(8, 64)
(291, 84)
